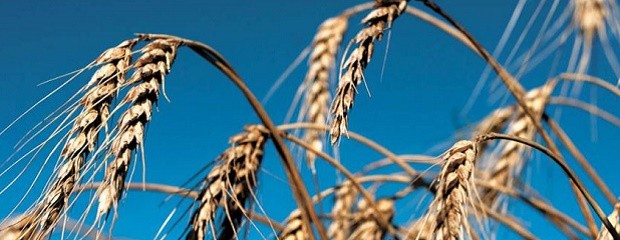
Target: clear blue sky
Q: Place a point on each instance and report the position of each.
(414, 106)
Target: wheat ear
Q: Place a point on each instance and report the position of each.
(511, 161)
(229, 184)
(324, 49)
(365, 224)
(294, 229)
(85, 134)
(150, 70)
(340, 226)
(377, 21)
(453, 184)
(614, 218)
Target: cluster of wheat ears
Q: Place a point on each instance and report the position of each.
(471, 185)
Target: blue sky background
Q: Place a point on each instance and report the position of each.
(414, 107)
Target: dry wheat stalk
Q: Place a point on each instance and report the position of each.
(365, 224)
(340, 226)
(294, 229)
(377, 21)
(229, 184)
(614, 218)
(447, 208)
(510, 161)
(85, 134)
(324, 49)
(150, 70)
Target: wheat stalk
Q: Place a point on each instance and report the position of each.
(340, 226)
(230, 183)
(85, 133)
(376, 23)
(447, 211)
(510, 161)
(324, 49)
(365, 223)
(150, 70)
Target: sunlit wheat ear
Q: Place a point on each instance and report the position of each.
(453, 183)
(84, 137)
(494, 122)
(340, 227)
(376, 23)
(614, 218)
(316, 99)
(229, 184)
(294, 229)
(150, 70)
(510, 161)
(365, 224)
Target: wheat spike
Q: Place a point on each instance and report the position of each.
(511, 161)
(340, 226)
(614, 218)
(365, 224)
(447, 208)
(316, 99)
(150, 70)
(294, 228)
(95, 105)
(376, 22)
(230, 183)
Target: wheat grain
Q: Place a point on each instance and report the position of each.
(324, 49)
(376, 22)
(340, 226)
(150, 70)
(365, 222)
(85, 132)
(230, 183)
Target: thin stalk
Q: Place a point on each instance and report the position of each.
(581, 159)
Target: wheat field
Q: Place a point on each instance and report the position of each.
(388, 119)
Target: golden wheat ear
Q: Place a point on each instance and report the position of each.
(340, 226)
(317, 96)
(377, 21)
(365, 224)
(446, 214)
(149, 73)
(84, 136)
(229, 184)
(294, 229)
